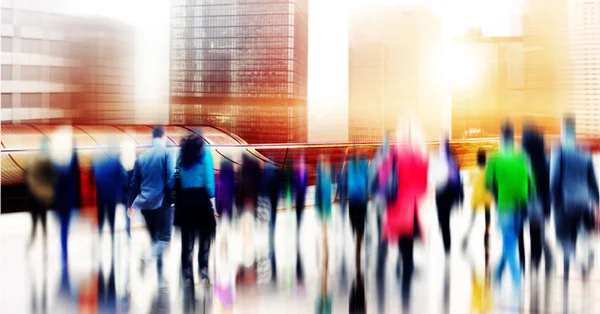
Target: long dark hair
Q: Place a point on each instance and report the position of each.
(192, 150)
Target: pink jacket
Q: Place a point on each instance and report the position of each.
(400, 216)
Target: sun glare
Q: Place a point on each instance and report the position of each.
(462, 68)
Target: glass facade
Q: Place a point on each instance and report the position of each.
(242, 66)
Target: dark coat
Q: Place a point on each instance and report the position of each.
(534, 147)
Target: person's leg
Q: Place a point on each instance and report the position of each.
(111, 208)
(65, 219)
(43, 217)
(406, 251)
(34, 211)
(465, 242)
(486, 234)
(444, 221)
(187, 251)
(203, 255)
(149, 218)
(521, 246)
(509, 225)
(535, 238)
(273, 200)
(164, 227)
(101, 210)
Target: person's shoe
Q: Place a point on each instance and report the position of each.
(204, 276)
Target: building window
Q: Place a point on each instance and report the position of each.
(6, 72)
(7, 16)
(7, 44)
(7, 100)
(31, 73)
(31, 100)
(31, 45)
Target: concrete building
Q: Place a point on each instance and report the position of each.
(241, 67)
(64, 69)
(494, 90)
(394, 68)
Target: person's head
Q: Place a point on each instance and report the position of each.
(62, 145)
(507, 138)
(159, 133)
(192, 150)
(568, 130)
(444, 146)
(386, 140)
(481, 158)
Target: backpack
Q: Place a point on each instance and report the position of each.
(576, 195)
(391, 188)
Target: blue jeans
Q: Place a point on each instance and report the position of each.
(509, 226)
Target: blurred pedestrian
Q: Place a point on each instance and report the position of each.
(323, 198)
(300, 185)
(67, 195)
(128, 157)
(575, 194)
(378, 199)
(480, 199)
(449, 190)
(534, 146)
(40, 177)
(271, 189)
(358, 197)
(150, 192)
(404, 174)
(111, 180)
(195, 213)
(225, 190)
(509, 177)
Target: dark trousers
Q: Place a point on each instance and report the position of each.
(521, 247)
(535, 237)
(273, 200)
(188, 237)
(106, 208)
(299, 209)
(159, 223)
(443, 211)
(38, 214)
(406, 246)
(65, 220)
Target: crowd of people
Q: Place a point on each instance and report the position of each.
(525, 186)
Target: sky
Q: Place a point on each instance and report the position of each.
(328, 48)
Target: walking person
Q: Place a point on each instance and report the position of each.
(509, 177)
(534, 147)
(449, 189)
(40, 177)
(150, 193)
(128, 158)
(358, 197)
(323, 199)
(67, 195)
(405, 176)
(575, 194)
(378, 197)
(300, 185)
(111, 180)
(271, 189)
(194, 212)
(480, 199)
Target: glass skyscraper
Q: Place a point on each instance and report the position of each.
(241, 65)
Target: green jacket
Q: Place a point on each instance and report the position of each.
(508, 176)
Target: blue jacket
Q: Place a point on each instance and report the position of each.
(152, 182)
(111, 178)
(200, 175)
(323, 189)
(358, 179)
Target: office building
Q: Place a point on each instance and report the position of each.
(546, 79)
(584, 65)
(494, 89)
(241, 67)
(395, 69)
(65, 69)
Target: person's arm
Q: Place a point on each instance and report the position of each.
(489, 175)
(209, 168)
(531, 178)
(318, 196)
(554, 177)
(593, 183)
(170, 163)
(134, 187)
